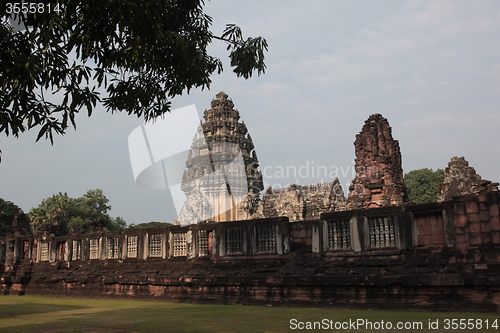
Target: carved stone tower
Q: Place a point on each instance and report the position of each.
(461, 179)
(222, 166)
(379, 175)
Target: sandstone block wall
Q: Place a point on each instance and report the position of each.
(477, 220)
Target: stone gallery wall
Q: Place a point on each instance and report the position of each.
(439, 256)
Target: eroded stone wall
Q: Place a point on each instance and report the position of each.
(440, 256)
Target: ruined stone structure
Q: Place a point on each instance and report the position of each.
(298, 202)
(379, 175)
(307, 247)
(461, 179)
(220, 189)
(222, 166)
(378, 182)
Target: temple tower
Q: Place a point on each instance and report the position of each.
(222, 166)
(462, 179)
(379, 175)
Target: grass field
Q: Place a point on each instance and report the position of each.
(49, 314)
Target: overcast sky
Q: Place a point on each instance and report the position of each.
(432, 68)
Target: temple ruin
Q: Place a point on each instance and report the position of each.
(297, 202)
(219, 189)
(462, 179)
(222, 166)
(302, 245)
(378, 181)
(379, 174)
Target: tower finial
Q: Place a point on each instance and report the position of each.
(221, 95)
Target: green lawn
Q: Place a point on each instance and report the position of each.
(48, 314)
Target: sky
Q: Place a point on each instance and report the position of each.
(432, 68)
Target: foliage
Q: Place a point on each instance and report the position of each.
(131, 56)
(62, 212)
(151, 224)
(7, 212)
(118, 223)
(423, 184)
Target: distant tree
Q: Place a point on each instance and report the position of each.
(117, 223)
(132, 56)
(7, 212)
(92, 206)
(54, 211)
(62, 212)
(423, 184)
(151, 224)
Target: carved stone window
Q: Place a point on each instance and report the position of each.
(180, 246)
(382, 231)
(203, 243)
(154, 245)
(77, 250)
(94, 248)
(132, 246)
(234, 240)
(44, 251)
(266, 238)
(112, 250)
(339, 235)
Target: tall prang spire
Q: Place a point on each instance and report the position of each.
(222, 167)
(379, 175)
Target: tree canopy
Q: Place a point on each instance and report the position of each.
(7, 211)
(130, 55)
(423, 184)
(61, 212)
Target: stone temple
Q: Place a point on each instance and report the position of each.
(219, 189)
(302, 245)
(221, 168)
